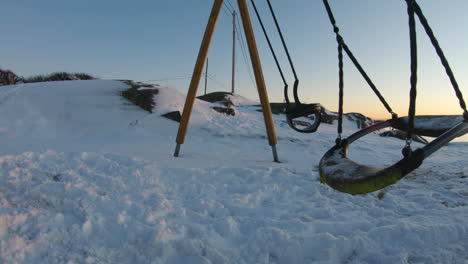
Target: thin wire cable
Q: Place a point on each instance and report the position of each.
(227, 12)
(231, 5)
(230, 8)
(246, 61)
(237, 65)
(217, 82)
(244, 50)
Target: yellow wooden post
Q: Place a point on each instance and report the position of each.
(260, 81)
(197, 72)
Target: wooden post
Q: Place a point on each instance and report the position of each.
(206, 75)
(260, 81)
(197, 72)
(256, 64)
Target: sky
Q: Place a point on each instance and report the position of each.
(159, 40)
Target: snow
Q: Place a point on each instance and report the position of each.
(86, 177)
(238, 100)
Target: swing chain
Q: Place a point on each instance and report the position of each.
(413, 76)
(341, 88)
(341, 44)
(343, 47)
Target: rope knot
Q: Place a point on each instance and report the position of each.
(336, 29)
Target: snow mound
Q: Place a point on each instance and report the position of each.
(239, 100)
(64, 109)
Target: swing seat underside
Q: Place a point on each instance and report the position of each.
(429, 125)
(345, 175)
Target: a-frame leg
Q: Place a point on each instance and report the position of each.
(256, 64)
(260, 81)
(197, 72)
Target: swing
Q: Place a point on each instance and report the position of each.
(312, 112)
(345, 175)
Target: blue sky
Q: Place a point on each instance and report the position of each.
(159, 40)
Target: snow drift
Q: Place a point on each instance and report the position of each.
(86, 177)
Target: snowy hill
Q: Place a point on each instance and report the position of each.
(64, 109)
(87, 177)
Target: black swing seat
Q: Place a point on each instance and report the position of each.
(428, 125)
(345, 175)
(304, 110)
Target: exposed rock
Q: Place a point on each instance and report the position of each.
(217, 97)
(220, 98)
(214, 97)
(175, 116)
(144, 98)
(328, 117)
(361, 120)
(224, 110)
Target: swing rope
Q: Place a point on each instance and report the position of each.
(272, 52)
(342, 46)
(413, 77)
(297, 110)
(341, 92)
(442, 57)
(296, 80)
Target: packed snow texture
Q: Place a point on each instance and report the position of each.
(86, 177)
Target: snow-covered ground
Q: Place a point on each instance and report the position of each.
(87, 177)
